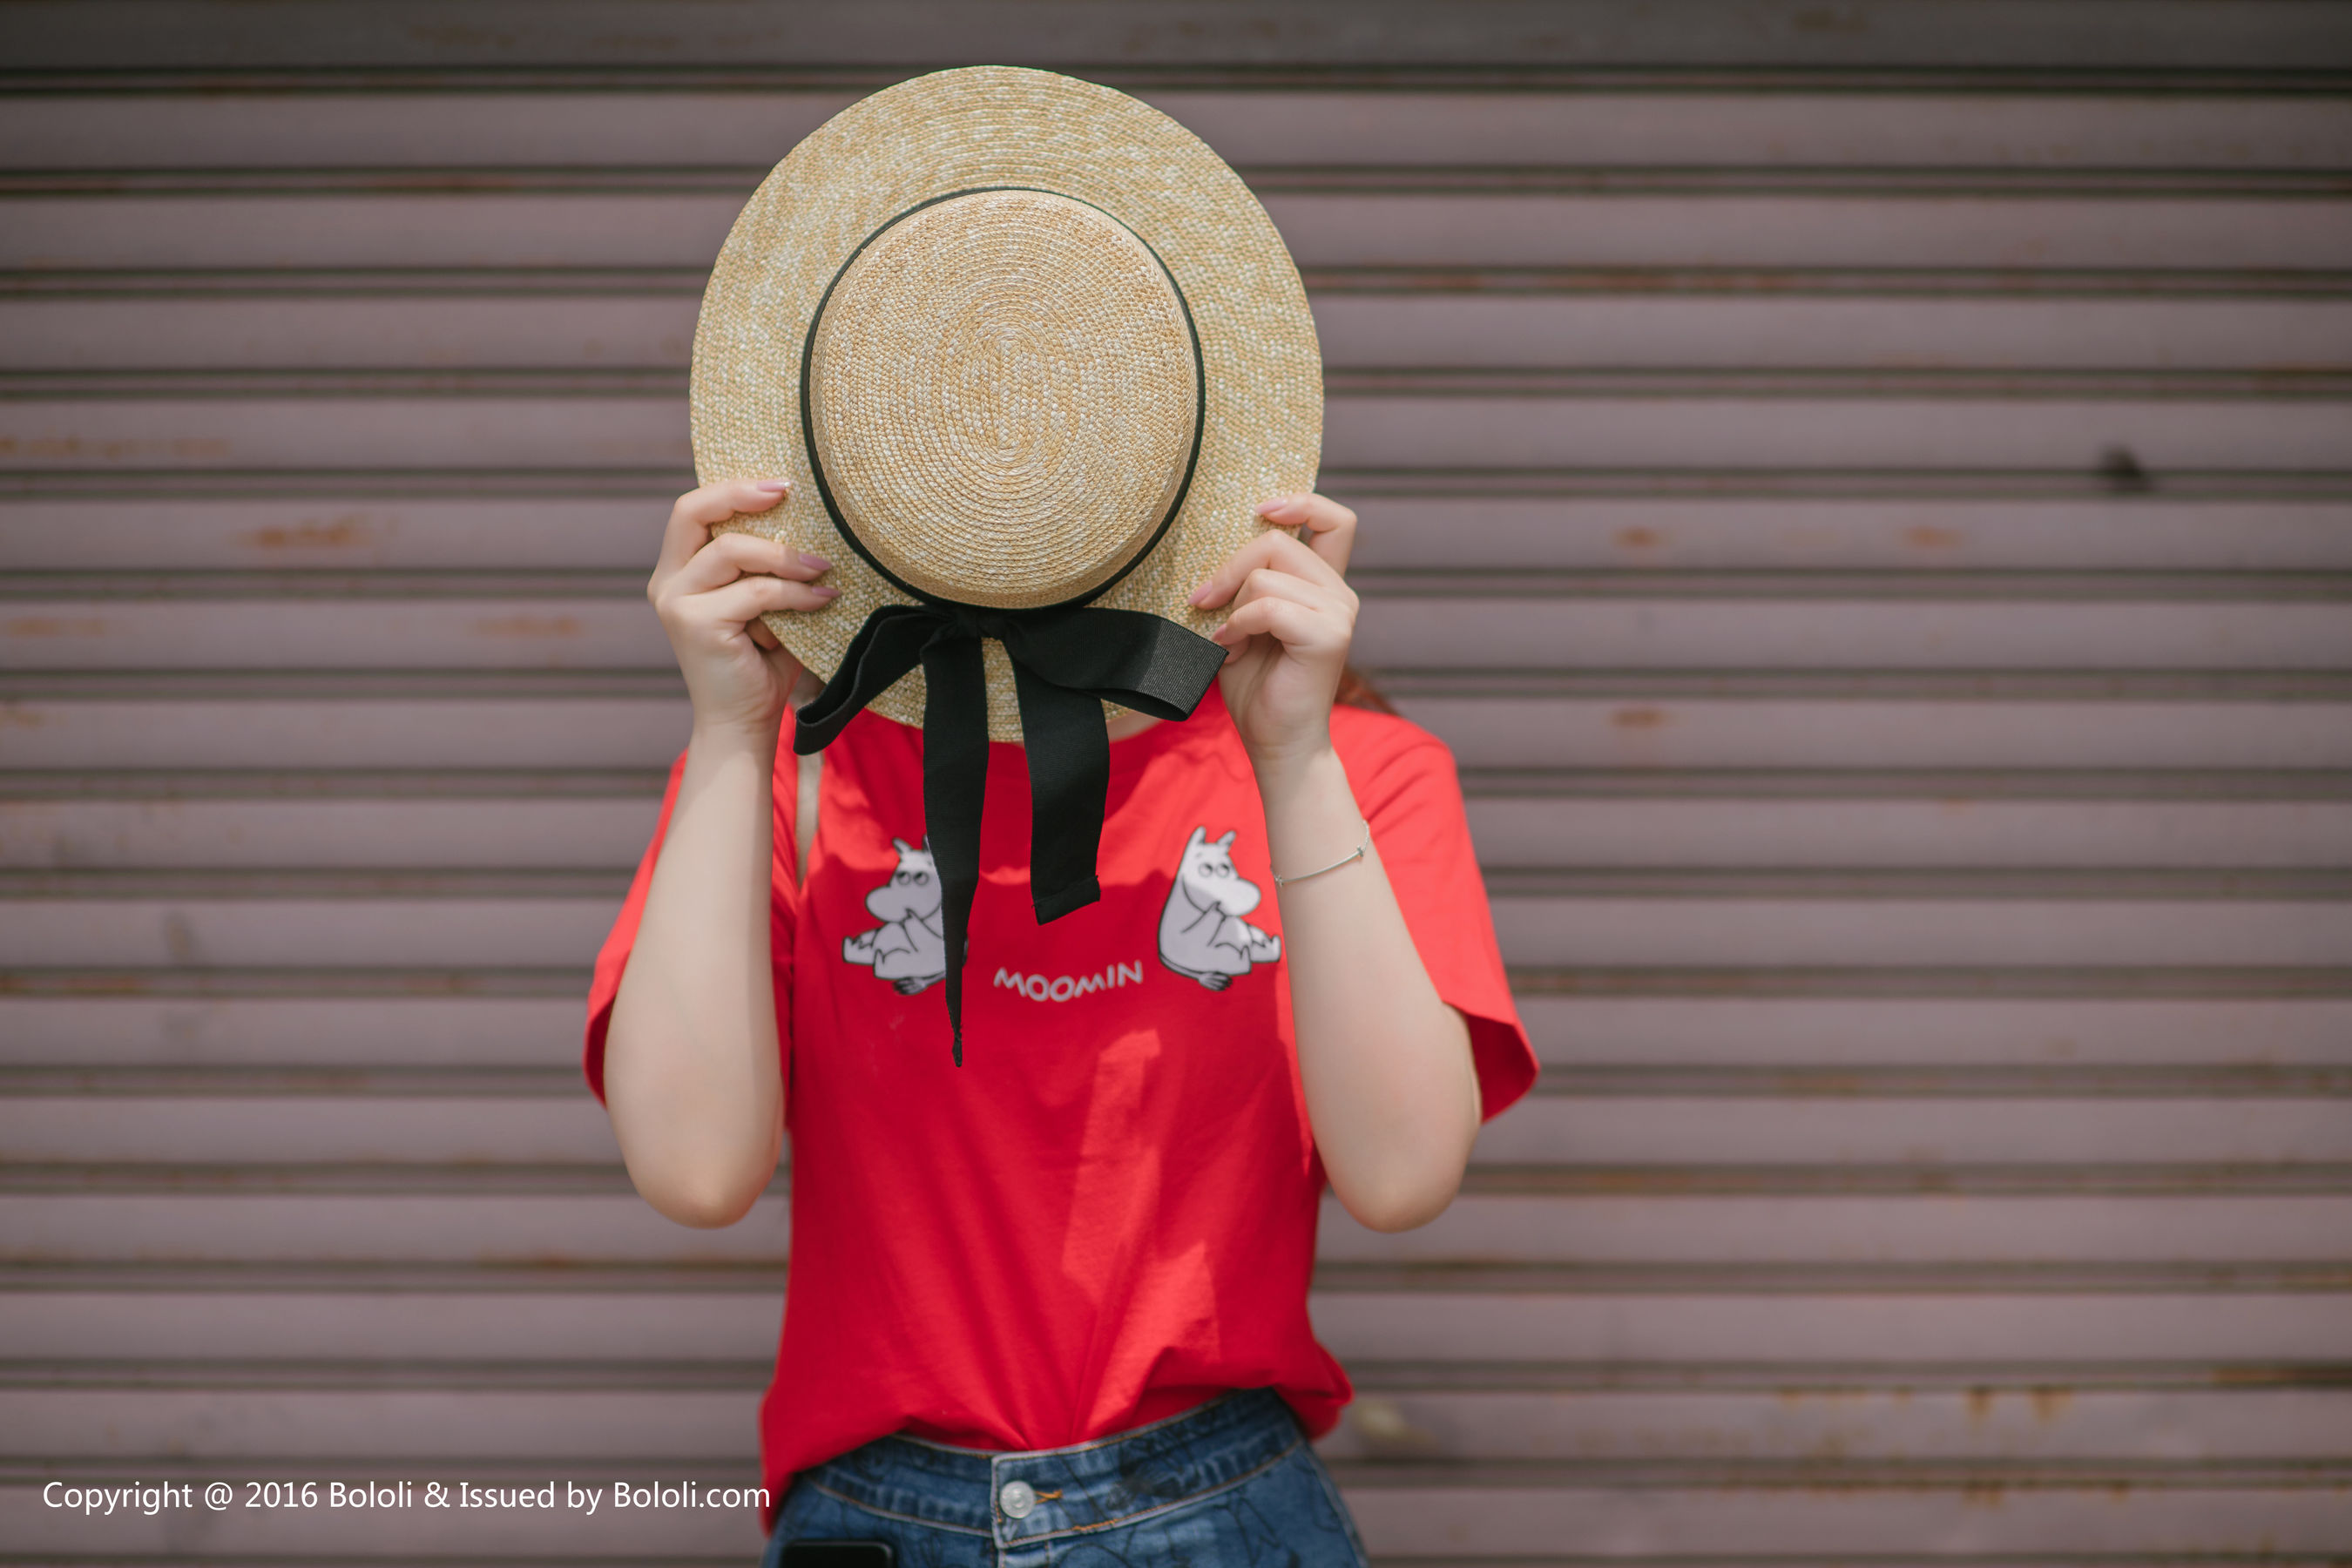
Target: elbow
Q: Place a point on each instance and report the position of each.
(702, 1200)
(707, 1186)
(1406, 1180)
(1400, 1205)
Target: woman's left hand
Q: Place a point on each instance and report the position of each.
(1292, 620)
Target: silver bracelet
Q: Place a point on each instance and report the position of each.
(1357, 853)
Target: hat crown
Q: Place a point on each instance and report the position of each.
(1003, 393)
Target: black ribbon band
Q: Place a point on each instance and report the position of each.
(1066, 664)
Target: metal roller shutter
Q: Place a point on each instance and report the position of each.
(1862, 488)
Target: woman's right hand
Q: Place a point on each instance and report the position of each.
(710, 591)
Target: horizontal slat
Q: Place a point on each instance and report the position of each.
(1818, 633)
(1453, 382)
(1784, 1228)
(1596, 332)
(74, 234)
(1662, 1032)
(1947, 832)
(641, 434)
(1879, 433)
(662, 1321)
(1830, 533)
(530, 1228)
(1725, 1523)
(1569, 1132)
(1823, 1426)
(297, 833)
(1714, 1230)
(1572, 1031)
(508, 1129)
(1563, 1132)
(404, 931)
(357, 532)
(489, 933)
(1498, 732)
(443, 43)
(1485, 732)
(620, 433)
(359, 1420)
(391, 1031)
(1839, 1329)
(1356, 331)
(541, 733)
(1722, 127)
(1571, 832)
(1792, 230)
(605, 633)
(658, 1321)
(419, 332)
(2142, 532)
(532, 634)
(364, 1423)
(1764, 933)
(634, 226)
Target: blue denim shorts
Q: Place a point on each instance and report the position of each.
(1230, 1484)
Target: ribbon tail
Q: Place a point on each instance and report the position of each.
(955, 783)
(884, 649)
(1069, 781)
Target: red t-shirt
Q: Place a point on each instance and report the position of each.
(1105, 1215)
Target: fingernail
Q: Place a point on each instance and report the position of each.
(773, 486)
(1197, 594)
(815, 563)
(823, 592)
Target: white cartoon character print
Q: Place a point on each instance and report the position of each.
(909, 949)
(1201, 932)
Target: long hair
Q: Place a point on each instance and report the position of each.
(1357, 691)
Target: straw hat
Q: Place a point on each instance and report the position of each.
(1051, 345)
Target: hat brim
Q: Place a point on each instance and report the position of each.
(994, 125)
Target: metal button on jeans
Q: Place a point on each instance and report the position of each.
(1017, 1499)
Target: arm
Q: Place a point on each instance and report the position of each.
(1391, 1091)
(691, 1077)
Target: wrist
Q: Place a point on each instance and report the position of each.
(1312, 819)
(719, 737)
(1285, 769)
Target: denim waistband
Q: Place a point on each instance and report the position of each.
(1088, 1486)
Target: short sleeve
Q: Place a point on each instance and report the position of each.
(612, 958)
(1404, 783)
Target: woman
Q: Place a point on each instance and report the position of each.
(1029, 1292)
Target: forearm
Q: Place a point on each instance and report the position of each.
(691, 1072)
(1385, 1063)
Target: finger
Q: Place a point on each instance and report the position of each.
(1278, 550)
(1325, 526)
(731, 555)
(746, 598)
(698, 510)
(757, 630)
(1267, 583)
(1297, 627)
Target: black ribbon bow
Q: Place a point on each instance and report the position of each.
(1066, 661)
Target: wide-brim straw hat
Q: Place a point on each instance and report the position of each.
(1050, 340)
